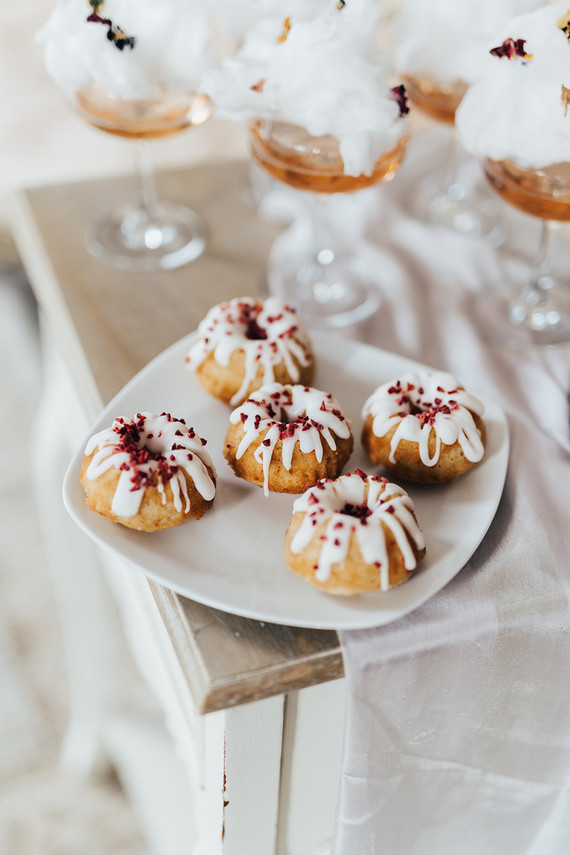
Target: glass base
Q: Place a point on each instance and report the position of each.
(325, 296)
(514, 323)
(461, 212)
(131, 240)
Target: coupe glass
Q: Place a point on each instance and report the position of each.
(444, 199)
(147, 233)
(323, 283)
(539, 313)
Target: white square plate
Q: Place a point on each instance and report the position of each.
(232, 558)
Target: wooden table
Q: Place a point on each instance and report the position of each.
(107, 324)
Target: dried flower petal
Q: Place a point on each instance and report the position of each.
(563, 23)
(114, 33)
(565, 98)
(258, 87)
(399, 95)
(511, 48)
(286, 27)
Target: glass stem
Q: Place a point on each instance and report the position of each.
(542, 280)
(321, 236)
(320, 275)
(147, 175)
(451, 184)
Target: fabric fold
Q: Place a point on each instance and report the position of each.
(458, 720)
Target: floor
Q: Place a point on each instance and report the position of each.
(43, 809)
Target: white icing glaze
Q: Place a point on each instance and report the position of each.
(292, 414)
(225, 330)
(379, 502)
(421, 402)
(171, 446)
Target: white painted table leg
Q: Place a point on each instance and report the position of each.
(242, 767)
(310, 775)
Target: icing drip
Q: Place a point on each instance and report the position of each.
(361, 505)
(151, 450)
(292, 414)
(419, 403)
(269, 333)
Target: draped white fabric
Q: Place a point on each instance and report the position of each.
(458, 724)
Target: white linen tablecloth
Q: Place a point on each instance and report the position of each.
(458, 723)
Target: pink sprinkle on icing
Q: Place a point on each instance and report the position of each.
(150, 451)
(362, 507)
(432, 402)
(287, 415)
(269, 333)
